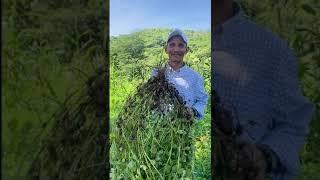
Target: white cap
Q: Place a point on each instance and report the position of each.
(178, 32)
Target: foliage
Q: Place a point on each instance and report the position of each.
(50, 50)
(74, 146)
(153, 137)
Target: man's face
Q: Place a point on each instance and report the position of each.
(176, 49)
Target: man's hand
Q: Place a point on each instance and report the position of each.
(252, 162)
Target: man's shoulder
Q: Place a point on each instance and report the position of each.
(193, 73)
(264, 40)
(261, 35)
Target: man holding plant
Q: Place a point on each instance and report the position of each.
(188, 83)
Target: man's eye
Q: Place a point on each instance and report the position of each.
(181, 45)
(171, 45)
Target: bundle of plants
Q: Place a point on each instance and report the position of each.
(233, 160)
(74, 144)
(153, 136)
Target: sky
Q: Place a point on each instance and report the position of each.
(127, 16)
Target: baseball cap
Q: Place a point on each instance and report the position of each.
(178, 32)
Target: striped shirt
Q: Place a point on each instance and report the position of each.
(256, 72)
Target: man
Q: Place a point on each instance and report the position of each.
(188, 83)
(256, 72)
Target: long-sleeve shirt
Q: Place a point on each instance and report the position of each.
(257, 72)
(190, 86)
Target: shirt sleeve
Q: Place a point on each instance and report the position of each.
(201, 99)
(154, 73)
(291, 115)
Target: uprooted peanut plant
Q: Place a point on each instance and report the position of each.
(153, 138)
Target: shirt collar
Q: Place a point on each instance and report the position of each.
(184, 66)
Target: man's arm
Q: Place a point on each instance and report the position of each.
(291, 115)
(201, 99)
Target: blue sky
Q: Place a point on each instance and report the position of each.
(127, 16)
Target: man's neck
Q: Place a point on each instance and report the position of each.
(175, 65)
(222, 11)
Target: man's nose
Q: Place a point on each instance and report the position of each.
(176, 48)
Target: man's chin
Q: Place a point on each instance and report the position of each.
(176, 60)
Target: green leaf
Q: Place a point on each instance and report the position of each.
(144, 167)
(131, 165)
(308, 9)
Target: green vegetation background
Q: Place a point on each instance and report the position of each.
(49, 48)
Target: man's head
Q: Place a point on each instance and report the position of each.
(176, 46)
(178, 33)
(222, 10)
